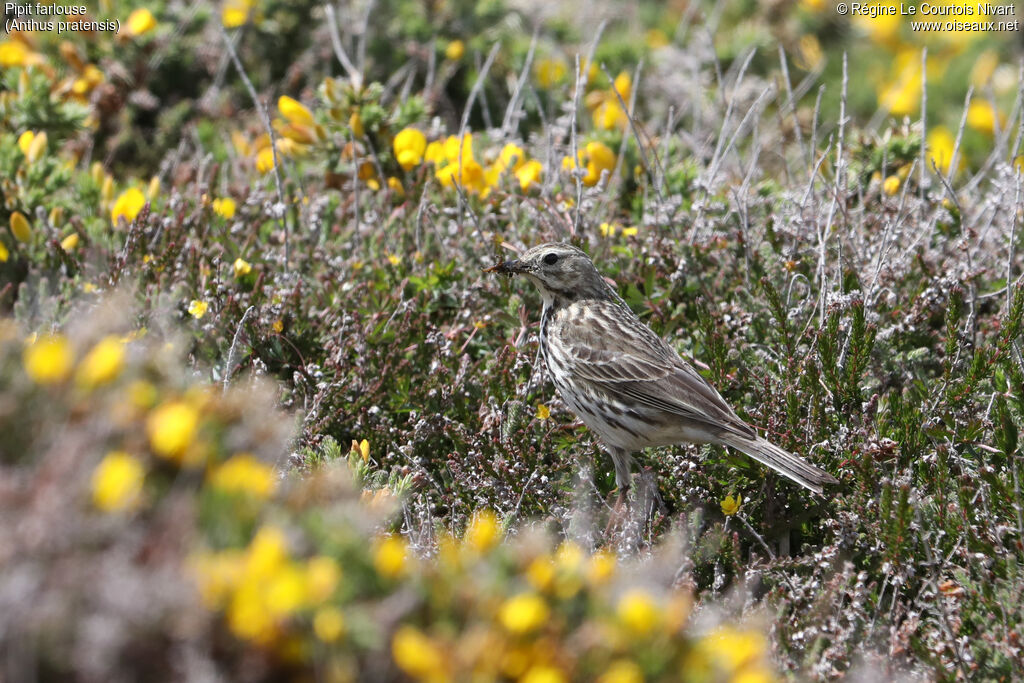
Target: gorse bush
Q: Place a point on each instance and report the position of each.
(264, 416)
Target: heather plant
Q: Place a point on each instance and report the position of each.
(264, 417)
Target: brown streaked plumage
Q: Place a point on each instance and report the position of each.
(624, 381)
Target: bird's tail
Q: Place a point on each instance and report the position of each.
(783, 462)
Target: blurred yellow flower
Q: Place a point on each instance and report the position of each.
(128, 205)
(48, 359)
(172, 427)
(14, 53)
(622, 671)
(809, 55)
(596, 157)
(541, 573)
(523, 613)
(102, 364)
(543, 412)
(140, 22)
(511, 156)
(543, 674)
(20, 227)
(409, 145)
(355, 122)
(32, 144)
(285, 591)
(601, 567)
(278, 326)
(483, 532)
(265, 160)
(638, 612)
(361, 448)
(241, 267)
(434, 152)
(984, 68)
(322, 577)
(455, 50)
(224, 207)
(389, 556)
(550, 72)
(117, 482)
(70, 242)
(609, 115)
(417, 655)
(529, 174)
(883, 28)
(197, 308)
(294, 111)
(4, 253)
(328, 624)
(891, 185)
(732, 649)
(236, 12)
(730, 505)
(982, 116)
(940, 148)
(656, 38)
(395, 185)
(394, 259)
(244, 474)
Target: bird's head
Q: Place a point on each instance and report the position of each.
(560, 271)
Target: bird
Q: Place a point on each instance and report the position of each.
(626, 383)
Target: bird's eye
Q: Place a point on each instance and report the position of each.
(551, 259)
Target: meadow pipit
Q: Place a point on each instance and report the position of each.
(623, 380)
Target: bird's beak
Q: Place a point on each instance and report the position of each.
(507, 267)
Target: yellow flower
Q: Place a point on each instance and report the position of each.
(455, 50)
(631, 231)
(416, 654)
(244, 474)
(128, 205)
(117, 482)
(241, 267)
(940, 148)
(456, 150)
(550, 72)
(285, 591)
(20, 227)
(638, 612)
(902, 95)
(543, 674)
(601, 567)
(389, 556)
(172, 427)
(523, 613)
(140, 22)
(395, 185)
(70, 242)
(483, 531)
(656, 38)
(102, 364)
(984, 68)
(981, 116)
(511, 156)
(622, 671)
(435, 152)
(225, 207)
(278, 326)
(13, 53)
(25, 141)
(409, 145)
(883, 29)
(541, 573)
(197, 309)
(732, 649)
(730, 505)
(265, 160)
(294, 111)
(322, 577)
(610, 115)
(394, 259)
(809, 56)
(623, 85)
(236, 13)
(891, 185)
(355, 122)
(328, 624)
(543, 412)
(32, 145)
(361, 448)
(48, 359)
(529, 174)
(4, 253)
(596, 157)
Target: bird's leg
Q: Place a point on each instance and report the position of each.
(622, 460)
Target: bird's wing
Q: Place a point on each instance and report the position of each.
(623, 357)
